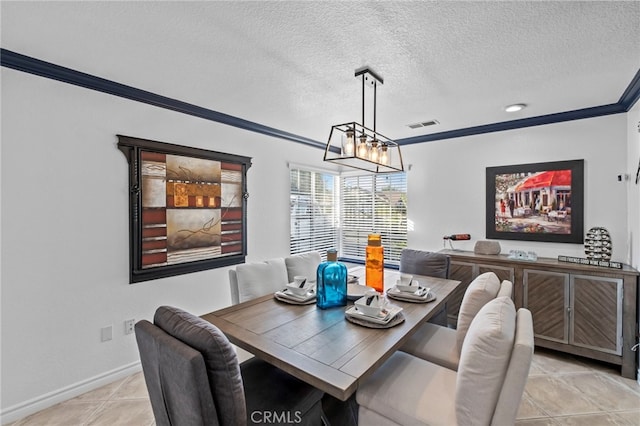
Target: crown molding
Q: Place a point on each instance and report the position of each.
(45, 69)
(41, 68)
(631, 94)
(540, 120)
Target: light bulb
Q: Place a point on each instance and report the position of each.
(374, 153)
(385, 155)
(362, 147)
(348, 143)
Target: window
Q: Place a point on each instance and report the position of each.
(329, 210)
(373, 203)
(313, 197)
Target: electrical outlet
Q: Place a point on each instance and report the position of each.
(106, 333)
(128, 326)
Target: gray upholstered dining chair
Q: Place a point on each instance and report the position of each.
(443, 345)
(486, 389)
(194, 378)
(431, 264)
(427, 263)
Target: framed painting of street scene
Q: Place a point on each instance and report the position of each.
(536, 202)
(187, 208)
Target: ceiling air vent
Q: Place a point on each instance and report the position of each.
(423, 124)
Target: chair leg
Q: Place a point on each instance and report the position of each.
(440, 318)
(340, 413)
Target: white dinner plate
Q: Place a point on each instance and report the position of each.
(422, 296)
(287, 295)
(356, 291)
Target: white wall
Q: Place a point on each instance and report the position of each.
(447, 181)
(65, 232)
(65, 227)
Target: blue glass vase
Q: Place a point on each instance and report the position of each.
(331, 282)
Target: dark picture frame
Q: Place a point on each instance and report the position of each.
(536, 202)
(187, 208)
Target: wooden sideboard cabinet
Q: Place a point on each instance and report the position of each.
(583, 310)
(465, 272)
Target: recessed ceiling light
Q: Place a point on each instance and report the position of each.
(515, 107)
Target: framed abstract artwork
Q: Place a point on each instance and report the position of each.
(536, 202)
(187, 208)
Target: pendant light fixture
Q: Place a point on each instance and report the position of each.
(354, 145)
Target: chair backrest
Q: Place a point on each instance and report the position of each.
(220, 360)
(517, 371)
(483, 289)
(424, 263)
(233, 286)
(484, 362)
(251, 280)
(303, 264)
(506, 289)
(176, 378)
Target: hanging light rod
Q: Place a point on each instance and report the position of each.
(354, 145)
(368, 72)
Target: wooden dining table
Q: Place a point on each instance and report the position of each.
(320, 346)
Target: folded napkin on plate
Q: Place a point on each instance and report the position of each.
(284, 294)
(392, 311)
(421, 294)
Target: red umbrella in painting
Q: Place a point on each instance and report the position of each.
(550, 178)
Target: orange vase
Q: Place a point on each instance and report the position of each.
(374, 263)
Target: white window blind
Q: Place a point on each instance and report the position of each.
(373, 204)
(314, 212)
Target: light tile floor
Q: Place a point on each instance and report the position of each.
(567, 390)
(561, 390)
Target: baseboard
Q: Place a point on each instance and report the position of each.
(24, 409)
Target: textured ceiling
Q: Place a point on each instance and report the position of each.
(290, 65)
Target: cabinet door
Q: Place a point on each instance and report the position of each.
(503, 272)
(546, 295)
(464, 272)
(596, 313)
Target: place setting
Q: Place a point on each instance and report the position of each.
(374, 311)
(355, 290)
(300, 292)
(409, 290)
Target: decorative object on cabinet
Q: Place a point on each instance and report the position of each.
(530, 256)
(354, 145)
(579, 309)
(487, 247)
(536, 202)
(590, 262)
(187, 208)
(597, 244)
(455, 237)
